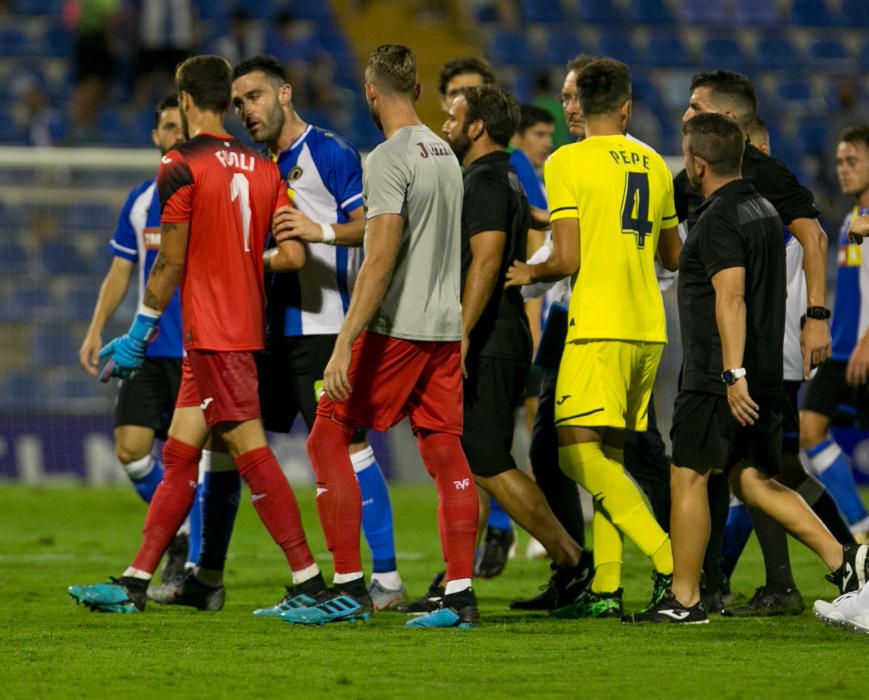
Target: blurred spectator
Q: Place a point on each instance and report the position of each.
(45, 124)
(96, 25)
(544, 96)
(243, 40)
(291, 41)
(167, 36)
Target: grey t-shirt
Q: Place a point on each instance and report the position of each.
(415, 174)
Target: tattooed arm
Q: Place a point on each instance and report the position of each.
(166, 272)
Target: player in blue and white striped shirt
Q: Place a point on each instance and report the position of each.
(305, 309)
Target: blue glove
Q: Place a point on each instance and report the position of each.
(126, 353)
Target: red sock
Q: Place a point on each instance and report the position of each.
(458, 507)
(171, 502)
(276, 505)
(339, 501)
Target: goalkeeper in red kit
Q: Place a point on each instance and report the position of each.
(217, 198)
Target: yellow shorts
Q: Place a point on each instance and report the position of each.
(606, 383)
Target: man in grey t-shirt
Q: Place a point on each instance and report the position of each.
(399, 350)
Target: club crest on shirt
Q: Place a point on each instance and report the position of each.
(850, 255)
(294, 174)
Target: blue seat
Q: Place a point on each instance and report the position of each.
(29, 301)
(829, 54)
(13, 43)
(56, 42)
(311, 9)
(561, 45)
(811, 13)
(51, 8)
(599, 12)
(777, 53)
(91, 217)
(724, 53)
(62, 259)
(618, 45)
(548, 11)
(703, 12)
(797, 92)
(666, 50)
(814, 136)
(853, 13)
(72, 390)
(260, 9)
(510, 48)
(863, 57)
(756, 13)
(212, 9)
(649, 12)
(22, 390)
(54, 346)
(14, 259)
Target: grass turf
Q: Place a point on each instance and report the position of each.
(49, 647)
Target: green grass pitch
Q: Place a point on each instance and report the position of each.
(49, 647)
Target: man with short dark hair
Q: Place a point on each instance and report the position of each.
(217, 198)
(616, 328)
(496, 339)
(733, 95)
(843, 379)
(732, 310)
(323, 173)
(399, 349)
(462, 72)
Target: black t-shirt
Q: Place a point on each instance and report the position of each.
(736, 227)
(770, 177)
(495, 201)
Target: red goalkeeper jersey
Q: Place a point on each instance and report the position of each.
(227, 193)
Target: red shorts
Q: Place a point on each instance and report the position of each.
(394, 378)
(223, 384)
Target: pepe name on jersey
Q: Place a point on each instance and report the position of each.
(630, 158)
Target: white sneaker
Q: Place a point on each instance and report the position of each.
(838, 612)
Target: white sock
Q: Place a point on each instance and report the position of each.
(457, 586)
(363, 459)
(388, 579)
(140, 468)
(305, 574)
(137, 573)
(347, 578)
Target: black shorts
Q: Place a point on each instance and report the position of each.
(148, 399)
(791, 417)
(493, 391)
(291, 379)
(828, 390)
(706, 436)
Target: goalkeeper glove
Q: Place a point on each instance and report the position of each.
(126, 353)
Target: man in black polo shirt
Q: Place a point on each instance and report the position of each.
(497, 342)
(732, 309)
(732, 95)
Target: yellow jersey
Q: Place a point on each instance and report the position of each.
(621, 193)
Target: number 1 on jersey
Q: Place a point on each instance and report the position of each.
(635, 207)
(240, 190)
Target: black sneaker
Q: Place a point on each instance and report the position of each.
(854, 570)
(713, 602)
(496, 550)
(668, 609)
(457, 610)
(768, 602)
(190, 591)
(591, 605)
(176, 558)
(430, 602)
(565, 585)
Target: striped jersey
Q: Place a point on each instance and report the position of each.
(323, 174)
(795, 308)
(851, 310)
(137, 239)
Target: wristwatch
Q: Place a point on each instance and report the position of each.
(821, 313)
(731, 376)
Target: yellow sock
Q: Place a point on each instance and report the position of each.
(608, 547)
(619, 497)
